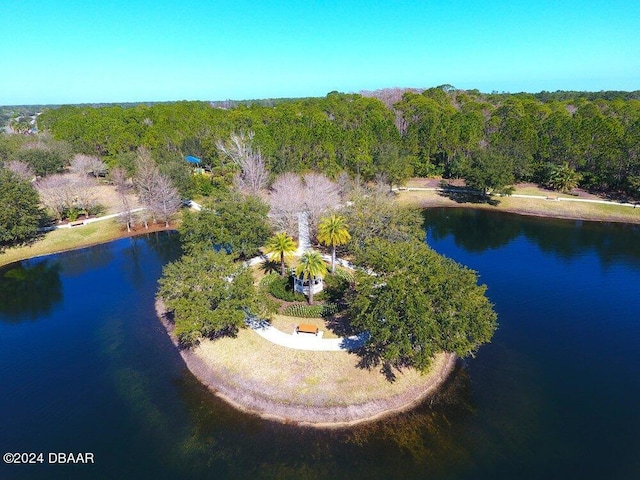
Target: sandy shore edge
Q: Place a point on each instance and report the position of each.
(306, 415)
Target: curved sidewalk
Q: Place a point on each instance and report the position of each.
(305, 341)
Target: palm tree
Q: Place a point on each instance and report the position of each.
(563, 178)
(279, 247)
(311, 267)
(332, 231)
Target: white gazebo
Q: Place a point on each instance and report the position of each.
(303, 286)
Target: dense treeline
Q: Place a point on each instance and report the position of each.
(438, 131)
(336, 133)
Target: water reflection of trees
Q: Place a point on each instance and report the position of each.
(423, 441)
(134, 267)
(165, 244)
(613, 242)
(479, 230)
(473, 230)
(79, 262)
(29, 290)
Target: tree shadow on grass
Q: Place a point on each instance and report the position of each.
(340, 325)
(464, 195)
(269, 266)
(371, 358)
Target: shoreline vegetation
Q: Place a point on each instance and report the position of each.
(62, 240)
(316, 389)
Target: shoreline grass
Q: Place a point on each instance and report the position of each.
(526, 206)
(65, 239)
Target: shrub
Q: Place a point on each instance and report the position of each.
(335, 287)
(201, 185)
(282, 288)
(346, 275)
(267, 279)
(72, 214)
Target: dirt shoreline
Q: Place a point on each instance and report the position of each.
(252, 401)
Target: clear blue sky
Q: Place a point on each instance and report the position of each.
(71, 51)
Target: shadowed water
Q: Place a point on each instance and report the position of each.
(86, 366)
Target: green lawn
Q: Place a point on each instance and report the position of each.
(528, 206)
(64, 239)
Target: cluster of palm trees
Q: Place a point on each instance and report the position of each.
(332, 232)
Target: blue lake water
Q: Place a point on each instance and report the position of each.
(85, 366)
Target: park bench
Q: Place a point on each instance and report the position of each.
(307, 328)
(552, 197)
(76, 223)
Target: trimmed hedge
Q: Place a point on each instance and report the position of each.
(304, 310)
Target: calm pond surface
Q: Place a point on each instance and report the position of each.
(85, 366)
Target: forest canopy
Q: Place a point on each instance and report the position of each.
(393, 132)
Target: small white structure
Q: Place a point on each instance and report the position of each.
(303, 286)
(304, 242)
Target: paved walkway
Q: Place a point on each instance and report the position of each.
(189, 203)
(306, 341)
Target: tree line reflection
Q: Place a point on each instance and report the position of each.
(479, 230)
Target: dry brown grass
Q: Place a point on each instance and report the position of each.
(106, 196)
(312, 379)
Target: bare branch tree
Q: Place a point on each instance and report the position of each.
(22, 169)
(155, 191)
(253, 175)
(146, 177)
(83, 191)
(62, 193)
(88, 164)
(290, 194)
(55, 193)
(237, 148)
(286, 201)
(120, 180)
(320, 194)
(165, 200)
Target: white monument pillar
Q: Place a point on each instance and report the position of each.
(304, 242)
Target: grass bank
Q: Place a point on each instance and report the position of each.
(64, 239)
(526, 206)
